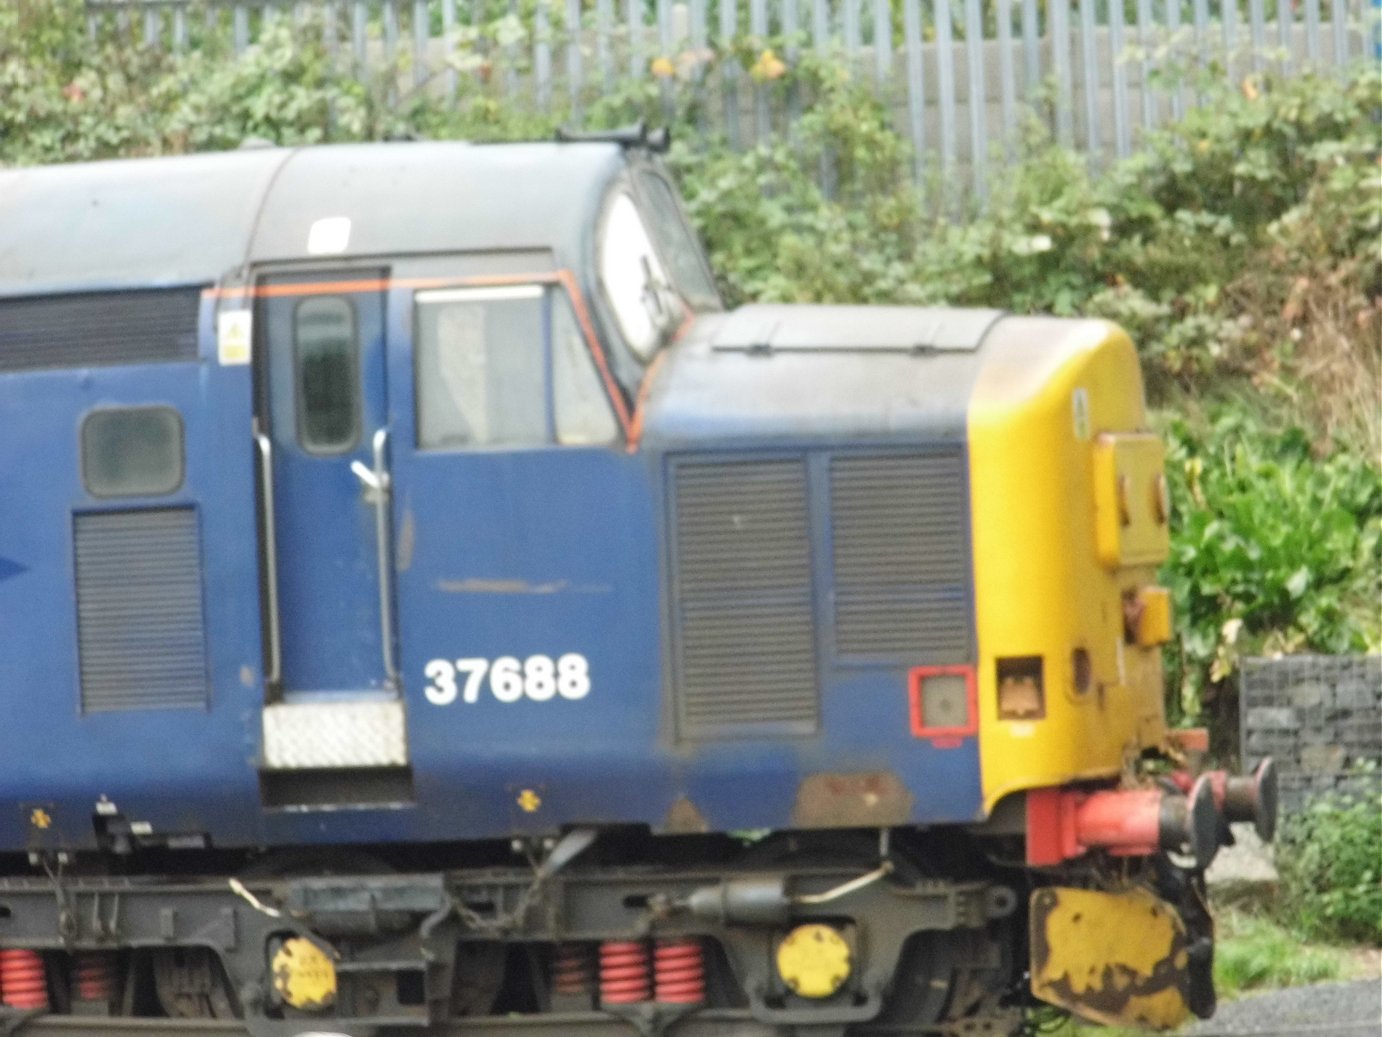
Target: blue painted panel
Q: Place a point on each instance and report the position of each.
(499, 553)
(538, 552)
(180, 770)
(551, 550)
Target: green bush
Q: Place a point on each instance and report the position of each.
(65, 98)
(1274, 549)
(1330, 862)
(775, 236)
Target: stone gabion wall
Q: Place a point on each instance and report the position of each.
(1319, 717)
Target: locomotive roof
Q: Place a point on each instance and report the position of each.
(853, 373)
(192, 219)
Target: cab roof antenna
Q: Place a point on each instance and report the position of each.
(635, 136)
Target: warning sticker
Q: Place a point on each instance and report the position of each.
(233, 337)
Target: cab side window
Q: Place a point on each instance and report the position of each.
(505, 367)
(133, 451)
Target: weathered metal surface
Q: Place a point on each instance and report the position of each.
(1083, 959)
(685, 818)
(877, 798)
(88, 224)
(820, 371)
(91, 224)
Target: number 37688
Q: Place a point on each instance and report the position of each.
(539, 678)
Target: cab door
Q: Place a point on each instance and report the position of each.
(322, 433)
(527, 563)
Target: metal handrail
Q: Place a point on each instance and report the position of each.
(379, 488)
(266, 477)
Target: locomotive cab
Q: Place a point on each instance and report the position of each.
(425, 605)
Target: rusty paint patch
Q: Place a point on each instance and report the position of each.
(683, 818)
(836, 800)
(247, 676)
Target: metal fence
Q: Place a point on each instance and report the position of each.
(959, 75)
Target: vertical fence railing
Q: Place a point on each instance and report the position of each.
(957, 74)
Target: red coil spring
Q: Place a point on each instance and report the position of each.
(573, 970)
(23, 980)
(679, 971)
(93, 976)
(625, 978)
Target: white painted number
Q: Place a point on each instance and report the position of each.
(506, 679)
(442, 690)
(537, 678)
(474, 670)
(573, 676)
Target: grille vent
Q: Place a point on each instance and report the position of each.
(901, 556)
(99, 328)
(139, 610)
(745, 631)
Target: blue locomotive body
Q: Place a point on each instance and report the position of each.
(424, 609)
(332, 513)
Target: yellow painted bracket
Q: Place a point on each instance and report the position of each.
(1153, 617)
(1120, 959)
(1131, 507)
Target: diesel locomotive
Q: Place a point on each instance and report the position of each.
(425, 610)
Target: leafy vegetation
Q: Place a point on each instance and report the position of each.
(1277, 546)
(1330, 861)
(1239, 247)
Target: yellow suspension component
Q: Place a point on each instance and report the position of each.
(813, 960)
(304, 975)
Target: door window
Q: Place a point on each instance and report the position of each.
(505, 367)
(327, 360)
